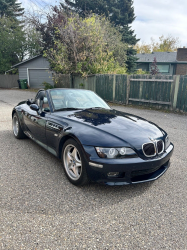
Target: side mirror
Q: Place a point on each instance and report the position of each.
(29, 102)
(34, 107)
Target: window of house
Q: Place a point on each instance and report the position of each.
(163, 68)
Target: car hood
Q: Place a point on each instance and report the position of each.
(129, 128)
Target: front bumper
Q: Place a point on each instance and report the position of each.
(132, 170)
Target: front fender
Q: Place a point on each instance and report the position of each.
(18, 111)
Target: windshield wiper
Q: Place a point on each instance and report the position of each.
(95, 108)
(66, 109)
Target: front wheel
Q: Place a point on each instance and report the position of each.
(17, 130)
(74, 163)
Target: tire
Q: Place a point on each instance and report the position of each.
(73, 163)
(16, 127)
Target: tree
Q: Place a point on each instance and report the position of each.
(165, 44)
(143, 48)
(154, 69)
(11, 34)
(85, 46)
(47, 29)
(17, 41)
(11, 9)
(11, 39)
(33, 44)
(119, 12)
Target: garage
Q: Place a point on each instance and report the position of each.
(36, 77)
(36, 70)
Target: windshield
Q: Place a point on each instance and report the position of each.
(76, 99)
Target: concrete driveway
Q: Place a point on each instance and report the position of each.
(40, 209)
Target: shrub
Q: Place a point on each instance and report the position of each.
(47, 85)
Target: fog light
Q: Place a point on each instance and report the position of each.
(113, 174)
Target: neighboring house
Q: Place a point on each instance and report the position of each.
(169, 63)
(36, 71)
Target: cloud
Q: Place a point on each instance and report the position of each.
(156, 18)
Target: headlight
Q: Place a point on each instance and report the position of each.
(167, 142)
(115, 152)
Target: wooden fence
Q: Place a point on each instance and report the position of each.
(8, 81)
(148, 91)
(181, 102)
(165, 92)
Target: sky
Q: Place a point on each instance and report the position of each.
(153, 18)
(160, 17)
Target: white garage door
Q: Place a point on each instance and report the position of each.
(38, 76)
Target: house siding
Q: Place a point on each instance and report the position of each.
(22, 73)
(171, 72)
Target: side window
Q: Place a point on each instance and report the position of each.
(42, 102)
(45, 105)
(38, 101)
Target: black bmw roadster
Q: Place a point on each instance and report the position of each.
(93, 141)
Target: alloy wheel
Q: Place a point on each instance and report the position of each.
(15, 125)
(72, 162)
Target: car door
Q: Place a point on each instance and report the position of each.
(35, 122)
(54, 129)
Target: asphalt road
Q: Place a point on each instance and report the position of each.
(40, 209)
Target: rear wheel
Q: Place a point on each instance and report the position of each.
(74, 163)
(17, 130)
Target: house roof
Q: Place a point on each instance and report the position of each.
(169, 57)
(25, 61)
